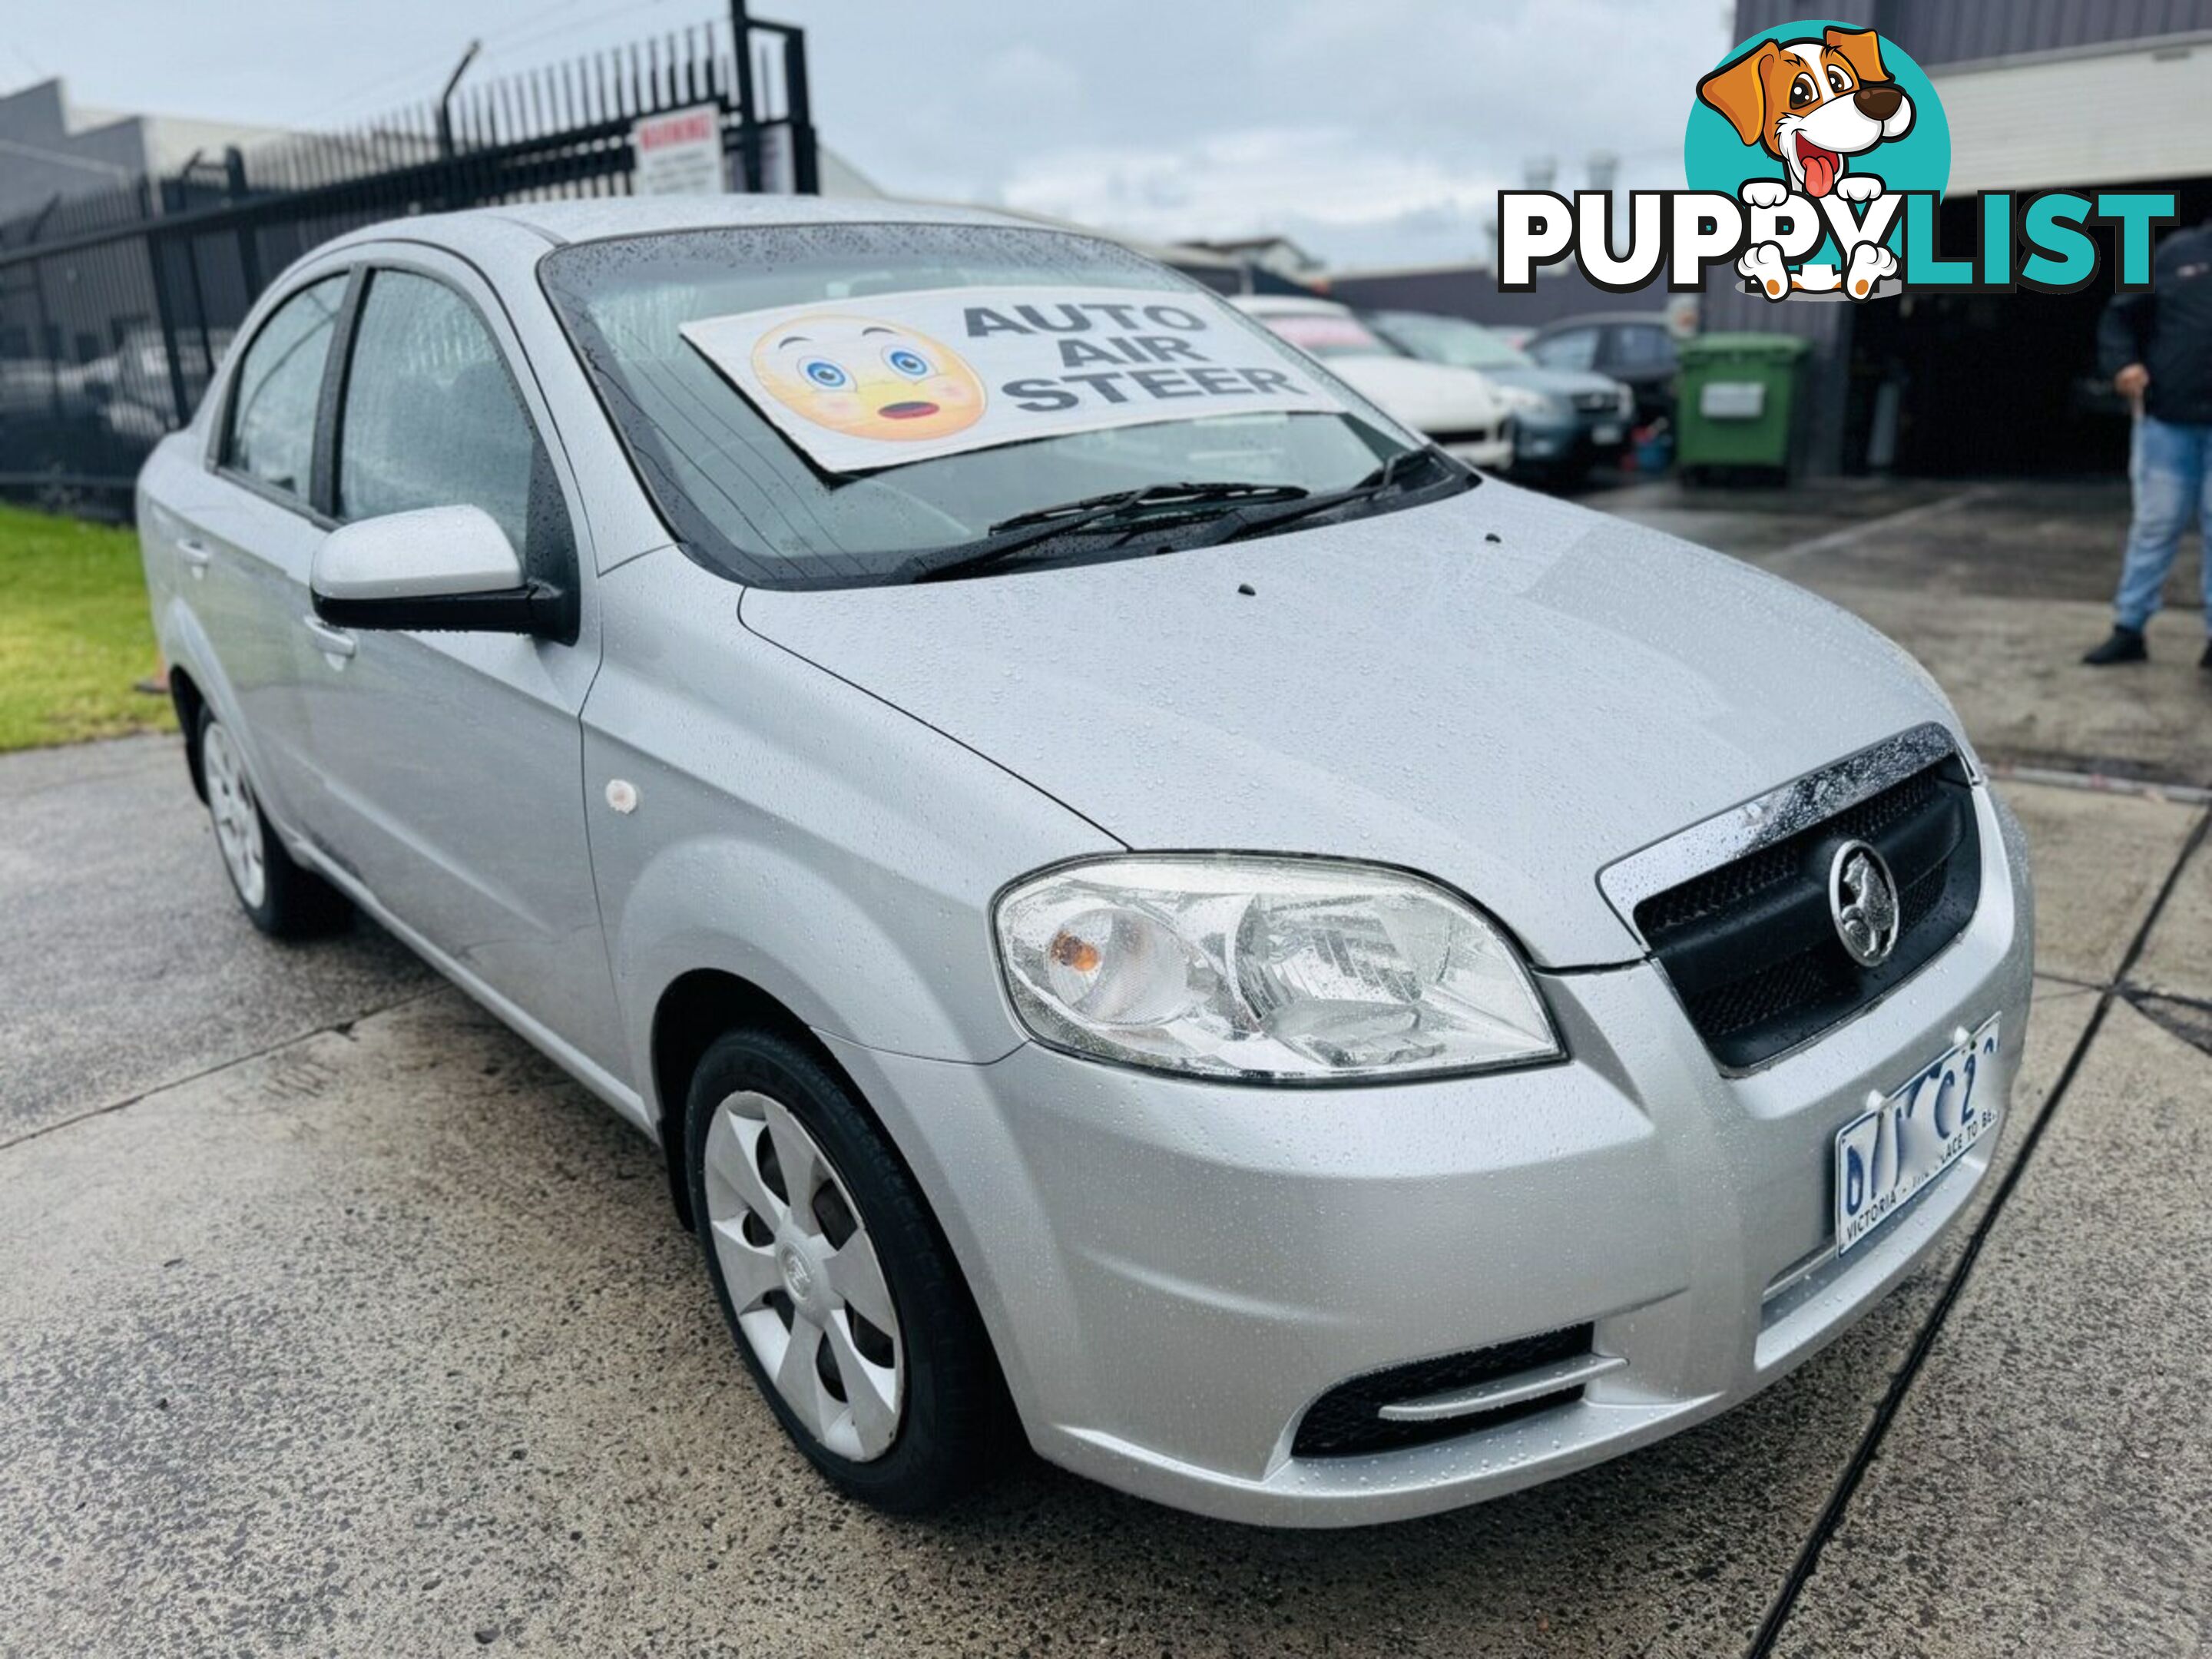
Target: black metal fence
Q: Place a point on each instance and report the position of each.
(115, 307)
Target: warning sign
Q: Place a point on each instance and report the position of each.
(679, 154)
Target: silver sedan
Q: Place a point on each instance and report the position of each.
(1149, 910)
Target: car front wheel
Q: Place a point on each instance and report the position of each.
(842, 1295)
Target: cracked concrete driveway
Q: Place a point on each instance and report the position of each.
(337, 1320)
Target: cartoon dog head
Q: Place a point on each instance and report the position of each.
(1811, 103)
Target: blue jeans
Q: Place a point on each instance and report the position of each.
(2170, 468)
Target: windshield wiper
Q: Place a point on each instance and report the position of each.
(1251, 521)
(1114, 511)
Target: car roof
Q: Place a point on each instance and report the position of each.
(591, 218)
(1427, 316)
(522, 231)
(1600, 318)
(1286, 305)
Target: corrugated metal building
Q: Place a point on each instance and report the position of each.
(2041, 95)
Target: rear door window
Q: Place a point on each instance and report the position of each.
(1639, 349)
(1574, 347)
(270, 433)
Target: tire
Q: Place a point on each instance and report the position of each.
(949, 1409)
(282, 899)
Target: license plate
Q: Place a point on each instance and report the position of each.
(1885, 1157)
(1608, 434)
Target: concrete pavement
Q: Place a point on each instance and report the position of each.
(380, 1339)
(124, 966)
(2046, 1486)
(337, 1320)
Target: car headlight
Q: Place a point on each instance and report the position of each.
(1623, 399)
(1285, 969)
(1522, 400)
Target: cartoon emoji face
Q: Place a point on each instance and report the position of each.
(867, 379)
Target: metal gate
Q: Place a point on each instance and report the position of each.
(116, 307)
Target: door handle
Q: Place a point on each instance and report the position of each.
(335, 640)
(196, 555)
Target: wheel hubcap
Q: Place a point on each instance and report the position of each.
(237, 819)
(799, 1280)
(803, 1274)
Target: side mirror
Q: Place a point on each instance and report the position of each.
(447, 568)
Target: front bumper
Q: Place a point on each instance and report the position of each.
(1568, 441)
(1173, 1271)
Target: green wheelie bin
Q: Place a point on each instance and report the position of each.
(1738, 401)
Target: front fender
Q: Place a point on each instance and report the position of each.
(779, 921)
(792, 829)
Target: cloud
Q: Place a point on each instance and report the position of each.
(1384, 128)
(1025, 78)
(1569, 76)
(1326, 181)
(1379, 133)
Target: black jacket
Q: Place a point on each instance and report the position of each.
(2168, 330)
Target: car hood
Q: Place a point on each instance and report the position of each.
(1559, 382)
(1427, 397)
(1508, 715)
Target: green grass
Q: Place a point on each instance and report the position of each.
(75, 632)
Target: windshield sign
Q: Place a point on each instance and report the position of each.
(1019, 371)
(897, 378)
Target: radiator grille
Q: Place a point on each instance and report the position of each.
(1751, 947)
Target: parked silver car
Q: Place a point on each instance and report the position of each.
(1320, 986)
(1568, 421)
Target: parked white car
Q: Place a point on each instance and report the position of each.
(1462, 411)
(1148, 910)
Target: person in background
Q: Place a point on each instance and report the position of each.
(2157, 347)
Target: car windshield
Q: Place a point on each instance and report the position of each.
(1450, 340)
(745, 497)
(1328, 334)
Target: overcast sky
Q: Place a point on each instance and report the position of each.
(1375, 132)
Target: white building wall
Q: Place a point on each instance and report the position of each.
(2111, 117)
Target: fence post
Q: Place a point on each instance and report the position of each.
(163, 312)
(190, 246)
(749, 149)
(50, 343)
(249, 241)
(156, 265)
(805, 166)
(49, 346)
(446, 99)
(454, 196)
